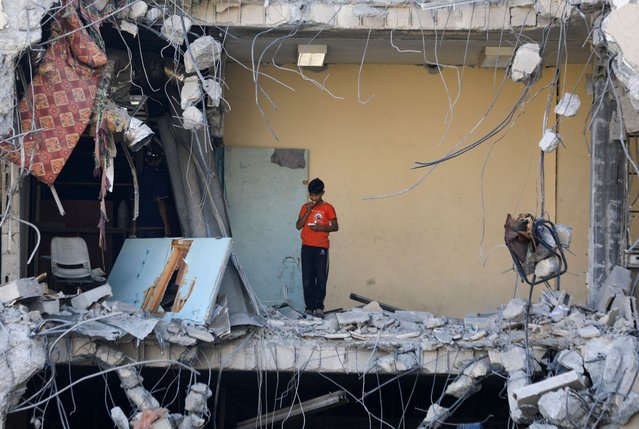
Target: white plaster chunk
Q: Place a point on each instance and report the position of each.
(563, 409)
(154, 14)
(547, 267)
(549, 141)
(435, 413)
(193, 118)
(175, 28)
(190, 94)
(528, 396)
(86, 299)
(119, 419)
(462, 385)
(620, 28)
(137, 10)
(129, 27)
(202, 54)
(525, 62)
(568, 105)
(195, 401)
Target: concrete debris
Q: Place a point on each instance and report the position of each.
(515, 310)
(202, 54)
(435, 416)
(564, 408)
(137, 10)
(199, 333)
(548, 267)
(630, 114)
(525, 62)
(214, 90)
(620, 30)
(90, 297)
(45, 306)
(571, 360)
(195, 402)
(129, 27)
(517, 380)
(175, 28)
(355, 317)
(618, 282)
(549, 141)
(119, 419)
(20, 289)
(528, 396)
(536, 425)
(153, 14)
(589, 332)
(190, 94)
(193, 118)
(568, 105)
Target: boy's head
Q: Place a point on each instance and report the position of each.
(316, 187)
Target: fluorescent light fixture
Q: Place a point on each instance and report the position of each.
(496, 57)
(320, 403)
(311, 55)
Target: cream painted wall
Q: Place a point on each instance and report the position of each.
(438, 247)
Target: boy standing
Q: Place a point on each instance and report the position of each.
(317, 219)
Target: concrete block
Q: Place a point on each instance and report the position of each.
(355, 316)
(193, 118)
(517, 380)
(564, 409)
(522, 17)
(200, 334)
(321, 13)
(526, 61)
(86, 299)
(45, 306)
(195, 401)
(281, 13)
(462, 385)
(20, 289)
(137, 10)
(119, 418)
(547, 267)
(528, 396)
(204, 52)
(227, 13)
(436, 413)
(620, 28)
(512, 360)
(571, 360)
(175, 28)
(252, 14)
(515, 310)
(141, 398)
(399, 18)
(589, 332)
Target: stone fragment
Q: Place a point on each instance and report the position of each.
(525, 62)
(137, 10)
(190, 94)
(154, 14)
(435, 416)
(568, 105)
(202, 54)
(549, 141)
(193, 118)
(515, 310)
(355, 316)
(119, 419)
(192, 422)
(141, 398)
(214, 90)
(175, 28)
(129, 27)
(564, 409)
(195, 401)
(462, 385)
(572, 360)
(512, 360)
(199, 334)
(109, 356)
(20, 289)
(129, 377)
(589, 331)
(86, 299)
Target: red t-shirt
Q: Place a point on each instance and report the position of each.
(321, 214)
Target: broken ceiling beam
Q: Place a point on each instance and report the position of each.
(528, 396)
(320, 403)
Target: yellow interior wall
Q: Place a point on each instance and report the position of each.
(437, 247)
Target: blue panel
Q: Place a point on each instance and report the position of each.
(264, 199)
(141, 262)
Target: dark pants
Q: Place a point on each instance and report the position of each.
(314, 276)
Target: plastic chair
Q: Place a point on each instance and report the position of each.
(70, 261)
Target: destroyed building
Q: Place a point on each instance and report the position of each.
(429, 121)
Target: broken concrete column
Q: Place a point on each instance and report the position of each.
(525, 62)
(202, 54)
(22, 357)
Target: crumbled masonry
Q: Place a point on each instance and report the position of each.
(588, 354)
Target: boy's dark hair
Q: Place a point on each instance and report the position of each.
(316, 186)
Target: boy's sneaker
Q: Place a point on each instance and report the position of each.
(319, 313)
